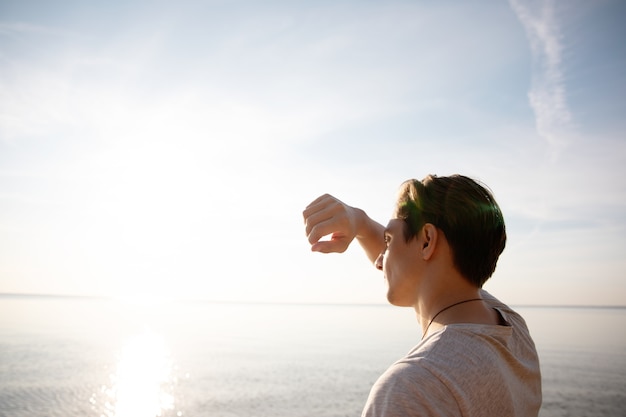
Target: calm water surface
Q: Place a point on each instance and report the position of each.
(90, 357)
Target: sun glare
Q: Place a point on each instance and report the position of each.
(142, 385)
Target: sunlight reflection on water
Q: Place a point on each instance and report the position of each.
(142, 384)
(92, 357)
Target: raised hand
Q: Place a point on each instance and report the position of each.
(329, 216)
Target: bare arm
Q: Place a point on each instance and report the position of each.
(329, 216)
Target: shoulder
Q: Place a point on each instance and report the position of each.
(420, 383)
(511, 316)
(407, 388)
(463, 369)
(449, 351)
(520, 341)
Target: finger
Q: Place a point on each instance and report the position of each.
(316, 205)
(327, 209)
(335, 245)
(315, 219)
(320, 199)
(322, 228)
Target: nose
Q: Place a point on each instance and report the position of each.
(379, 261)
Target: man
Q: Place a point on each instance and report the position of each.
(476, 357)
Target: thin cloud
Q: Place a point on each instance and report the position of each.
(14, 29)
(548, 95)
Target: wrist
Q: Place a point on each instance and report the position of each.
(359, 223)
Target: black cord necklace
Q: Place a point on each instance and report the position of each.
(446, 308)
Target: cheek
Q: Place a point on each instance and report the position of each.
(397, 265)
(389, 264)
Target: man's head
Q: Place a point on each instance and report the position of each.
(465, 212)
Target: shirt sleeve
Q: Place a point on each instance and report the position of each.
(406, 390)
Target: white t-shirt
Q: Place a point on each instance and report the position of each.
(469, 370)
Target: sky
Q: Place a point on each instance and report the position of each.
(167, 149)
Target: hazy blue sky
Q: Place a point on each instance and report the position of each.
(169, 148)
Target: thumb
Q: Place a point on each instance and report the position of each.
(335, 245)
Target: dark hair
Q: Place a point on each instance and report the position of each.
(467, 214)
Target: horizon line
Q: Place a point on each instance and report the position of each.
(312, 303)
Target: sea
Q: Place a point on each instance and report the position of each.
(72, 356)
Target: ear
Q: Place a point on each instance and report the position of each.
(430, 235)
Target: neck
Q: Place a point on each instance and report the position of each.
(439, 309)
(450, 307)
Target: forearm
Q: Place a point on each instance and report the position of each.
(370, 235)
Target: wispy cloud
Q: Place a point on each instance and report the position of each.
(548, 95)
(14, 29)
